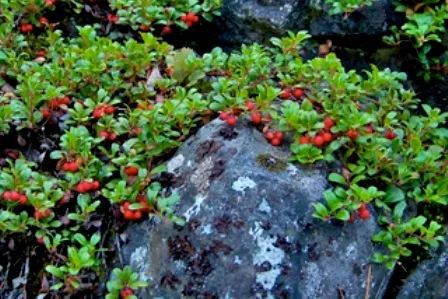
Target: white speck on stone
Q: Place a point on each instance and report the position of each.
(243, 183)
(228, 296)
(351, 250)
(267, 252)
(175, 163)
(140, 263)
(237, 260)
(313, 279)
(292, 169)
(264, 206)
(206, 229)
(195, 208)
(288, 8)
(189, 163)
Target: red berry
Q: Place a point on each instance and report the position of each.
(43, 21)
(389, 134)
(82, 187)
(318, 141)
(276, 141)
(352, 218)
(183, 18)
(327, 136)
(298, 93)
(49, 2)
(73, 167)
(46, 113)
(250, 105)
(37, 214)
(40, 240)
(362, 207)
(269, 135)
(279, 135)
(352, 134)
(95, 185)
(98, 113)
(190, 17)
(285, 94)
(328, 123)
(104, 134)
(15, 196)
(128, 214)
(66, 167)
(195, 19)
(46, 213)
(364, 214)
(166, 30)
(112, 136)
(144, 27)
(256, 118)
(223, 115)
(126, 292)
(231, 120)
(126, 205)
(131, 170)
(304, 140)
(7, 195)
(65, 100)
(109, 110)
(137, 215)
(370, 129)
(41, 53)
(112, 18)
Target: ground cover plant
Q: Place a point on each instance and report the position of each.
(87, 122)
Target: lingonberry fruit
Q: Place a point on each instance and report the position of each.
(166, 30)
(15, 196)
(298, 93)
(327, 136)
(144, 27)
(40, 240)
(109, 110)
(370, 129)
(304, 140)
(256, 118)
(126, 292)
(231, 120)
(328, 123)
(250, 105)
(223, 116)
(269, 135)
(7, 195)
(318, 141)
(352, 134)
(98, 113)
(364, 214)
(104, 134)
(352, 218)
(276, 141)
(389, 134)
(285, 94)
(131, 170)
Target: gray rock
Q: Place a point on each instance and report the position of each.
(250, 231)
(248, 21)
(430, 279)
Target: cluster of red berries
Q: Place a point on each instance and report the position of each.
(41, 214)
(189, 19)
(126, 292)
(296, 92)
(274, 137)
(70, 166)
(131, 170)
(103, 109)
(86, 186)
(108, 135)
(145, 106)
(321, 138)
(112, 18)
(22, 199)
(54, 104)
(363, 213)
(228, 117)
(133, 215)
(26, 27)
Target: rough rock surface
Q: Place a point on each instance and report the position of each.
(250, 231)
(248, 21)
(430, 279)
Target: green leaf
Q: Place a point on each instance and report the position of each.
(343, 215)
(394, 194)
(399, 209)
(337, 178)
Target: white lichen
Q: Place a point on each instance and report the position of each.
(175, 163)
(267, 252)
(140, 263)
(264, 206)
(206, 229)
(195, 208)
(243, 183)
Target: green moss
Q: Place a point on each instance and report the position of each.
(271, 163)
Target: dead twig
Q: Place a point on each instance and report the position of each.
(369, 280)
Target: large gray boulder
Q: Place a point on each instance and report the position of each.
(430, 279)
(250, 231)
(248, 21)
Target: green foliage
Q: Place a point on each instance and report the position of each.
(347, 6)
